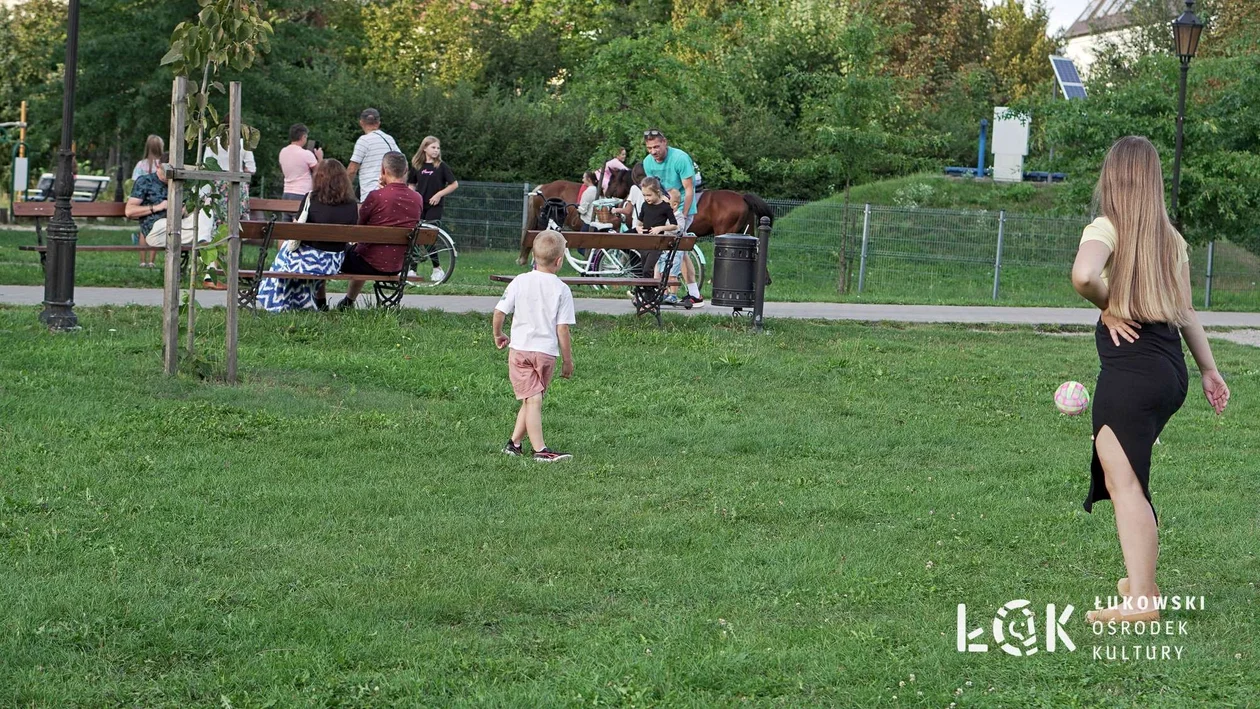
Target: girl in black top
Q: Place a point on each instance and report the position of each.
(434, 180)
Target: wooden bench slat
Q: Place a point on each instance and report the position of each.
(103, 247)
(77, 209)
(284, 206)
(341, 233)
(612, 240)
(117, 209)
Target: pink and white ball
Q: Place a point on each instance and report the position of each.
(1071, 398)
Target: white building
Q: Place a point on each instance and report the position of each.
(1103, 22)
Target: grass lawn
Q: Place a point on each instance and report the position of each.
(341, 529)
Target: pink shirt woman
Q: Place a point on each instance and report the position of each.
(614, 164)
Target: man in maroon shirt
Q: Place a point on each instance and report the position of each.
(392, 204)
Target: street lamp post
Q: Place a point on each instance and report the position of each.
(58, 312)
(1186, 32)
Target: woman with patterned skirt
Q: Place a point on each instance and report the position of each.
(330, 202)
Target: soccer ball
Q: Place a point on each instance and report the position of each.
(1071, 398)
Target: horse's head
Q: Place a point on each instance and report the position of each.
(618, 184)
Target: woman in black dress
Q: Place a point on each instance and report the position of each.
(1134, 266)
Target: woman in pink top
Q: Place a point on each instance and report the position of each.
(298, 163)
(617, 163)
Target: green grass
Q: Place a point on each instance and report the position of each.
(936, 191)
(340, 529)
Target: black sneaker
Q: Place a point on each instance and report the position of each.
(345, 304)
(690, 302)
(513, 449)
(547, 455)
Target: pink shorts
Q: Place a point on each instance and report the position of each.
(530, 372)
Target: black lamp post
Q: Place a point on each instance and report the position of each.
(58, 311)
(1186, 31)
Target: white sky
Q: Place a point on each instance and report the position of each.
(1064, 12)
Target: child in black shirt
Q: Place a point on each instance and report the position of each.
(656, 217)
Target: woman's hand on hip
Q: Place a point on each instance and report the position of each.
(1216, 390)
(1120, 327)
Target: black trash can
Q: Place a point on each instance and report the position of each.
(734, 271)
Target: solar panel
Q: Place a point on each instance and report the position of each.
(1069, 79)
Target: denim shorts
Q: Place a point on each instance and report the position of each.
(675, 269)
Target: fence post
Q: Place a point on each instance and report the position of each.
(1207, 286)
(866, 235)
(997, 261)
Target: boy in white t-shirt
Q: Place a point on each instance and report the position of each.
(542, 309)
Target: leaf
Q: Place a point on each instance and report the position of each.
(176, 54)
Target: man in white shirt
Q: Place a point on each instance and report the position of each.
(368, 151)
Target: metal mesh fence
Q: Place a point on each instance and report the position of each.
(825, 251)
(486, 215)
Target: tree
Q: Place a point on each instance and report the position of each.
(932, 39)
(228, 34)
(630, 84)
(1020, 50)
(32, 46)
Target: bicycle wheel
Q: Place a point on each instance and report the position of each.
(437, 262)
(699, 263)
(615, 263)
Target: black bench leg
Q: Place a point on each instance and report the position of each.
(247, 291)
(389, 294)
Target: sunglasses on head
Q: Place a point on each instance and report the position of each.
(653, 134)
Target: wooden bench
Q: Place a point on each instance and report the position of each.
(647, 293)
(389, 289)
(44, 210)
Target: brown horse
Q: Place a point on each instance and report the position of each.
(618, 187)
(729, 212)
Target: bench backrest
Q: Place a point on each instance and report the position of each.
(116, 209)
(343, 233)
(614, 240)
(280, 206)
(78, 209)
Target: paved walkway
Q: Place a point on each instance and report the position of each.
(33, 295)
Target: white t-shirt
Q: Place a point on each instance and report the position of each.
(368, 151)
(1102, 230)
(541, 302)
(220, 153)
(636, 198)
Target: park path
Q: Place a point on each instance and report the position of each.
(85, 296)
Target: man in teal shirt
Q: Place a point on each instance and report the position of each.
(676, 171)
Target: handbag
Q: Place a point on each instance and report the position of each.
(292, 245)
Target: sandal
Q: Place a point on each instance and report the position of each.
(1122, 586)
(209, 284)
(1115, 613)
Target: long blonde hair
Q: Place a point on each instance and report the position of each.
(419, 159)
(1146, 282)
(153, 149)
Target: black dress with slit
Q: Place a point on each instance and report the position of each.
(1141, 384)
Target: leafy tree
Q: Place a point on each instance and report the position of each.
(32, 44)
(1020, 49)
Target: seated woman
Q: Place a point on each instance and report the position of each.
(586, 203)
(330, 202)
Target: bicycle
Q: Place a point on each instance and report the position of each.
(441, 255)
